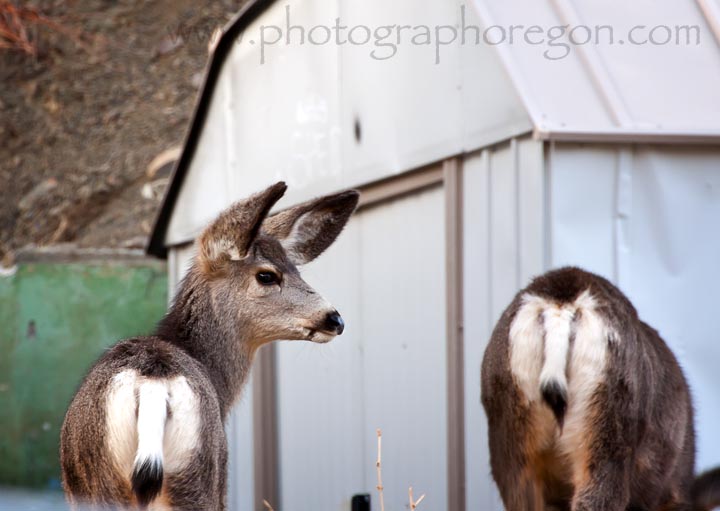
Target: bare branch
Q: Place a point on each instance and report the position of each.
(378, 465)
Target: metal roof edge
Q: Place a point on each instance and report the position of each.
(629, 136)
(246, 15)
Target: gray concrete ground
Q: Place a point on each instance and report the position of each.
(14, 499)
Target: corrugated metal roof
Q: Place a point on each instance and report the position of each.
(649, 72)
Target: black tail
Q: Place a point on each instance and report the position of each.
(147, 480)
(555, 396)
(706, 490)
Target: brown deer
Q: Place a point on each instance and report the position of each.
(145, 429)
(587, 407)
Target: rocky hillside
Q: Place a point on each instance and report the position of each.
(104, 87)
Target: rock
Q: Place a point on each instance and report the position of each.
(37, 193)
(134, 242)
(168, 44)
(196, 80)
(147, 191)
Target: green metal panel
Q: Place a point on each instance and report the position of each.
(55, 320)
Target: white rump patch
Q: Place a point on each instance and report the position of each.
(151, 418)
(182, 428)
(121, 420)
(540, 346)
(526, 345)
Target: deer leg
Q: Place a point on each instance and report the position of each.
(606, 488)
(510, 460)
(603, 469)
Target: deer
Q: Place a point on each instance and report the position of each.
(587, 407)
(145, 430)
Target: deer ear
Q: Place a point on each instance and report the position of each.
(306, 230)
(232, 233)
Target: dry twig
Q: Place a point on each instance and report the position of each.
(378, 465)
(414, 503)
(267, 505)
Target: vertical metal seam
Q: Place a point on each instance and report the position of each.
(515, 151)
(266, 451)
(487, 169)
(548, 149)
(454, 328)
(616, 219)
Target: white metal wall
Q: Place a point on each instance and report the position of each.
(647, 218)
(386, 275)
(321, 392)
(293, 116)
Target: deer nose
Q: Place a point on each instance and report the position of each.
(334, 323)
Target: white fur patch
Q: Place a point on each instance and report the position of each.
(218, 247)
(182, 429)
(526, 345)
(121, 421)
(304, 229)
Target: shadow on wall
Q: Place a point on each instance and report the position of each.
(55, 319)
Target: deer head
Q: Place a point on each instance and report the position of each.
(251, 263)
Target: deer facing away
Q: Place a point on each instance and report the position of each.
(587, 407)
(145, 429)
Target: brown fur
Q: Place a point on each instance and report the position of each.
(628, 457)
(221, 315)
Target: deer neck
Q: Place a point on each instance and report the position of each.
(195, 324)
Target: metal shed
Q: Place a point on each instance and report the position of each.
(481, 166)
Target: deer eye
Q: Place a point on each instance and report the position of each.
(267, 278)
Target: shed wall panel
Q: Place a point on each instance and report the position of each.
(387, 90)
(321, 393)
(504, 243)
(403, 315)
(481, 492)
(388, 370)
(582, 207)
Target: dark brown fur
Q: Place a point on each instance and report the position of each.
(630, 459)
(219, 318)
